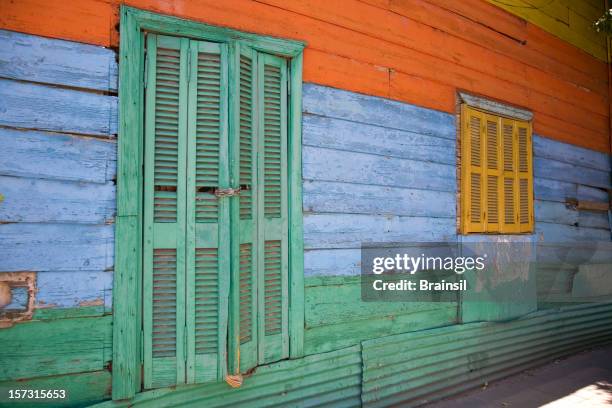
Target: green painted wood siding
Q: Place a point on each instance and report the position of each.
(188, 228)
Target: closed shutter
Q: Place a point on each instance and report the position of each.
(509, 191)
(525, 177)
(208, 256)
(496, 171)
(272, 214)
(473, 173)
(164, 207)
(245, 210)
(493, 176)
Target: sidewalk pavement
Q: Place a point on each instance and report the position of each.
(582, 380)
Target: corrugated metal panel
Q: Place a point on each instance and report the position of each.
(414, 368)
(322, 380)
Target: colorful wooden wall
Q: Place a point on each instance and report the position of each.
(379, 136)
(570, 20)
(415, 51)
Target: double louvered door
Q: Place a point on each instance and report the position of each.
(197, 244)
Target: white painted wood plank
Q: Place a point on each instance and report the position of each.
(42, 107)
(47, 201)
(56, 156)
(52, 61)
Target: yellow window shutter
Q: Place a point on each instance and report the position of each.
(493, 174)
(509, 179)
(472, 170)
(525, 177)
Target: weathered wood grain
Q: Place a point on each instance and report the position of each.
(350, 230)
(351, 198)
(82, 389)
(69, 346)
(337, 300)
(72, 289)
(38, 200)
(55, 247)
(341, 134)
(555, 212)
(556, 170)
(56, 62)
(551, 232)
(336, 165)
(335, 103)
(42, 107)
(332, 262)
(564, 152)
(56, 156)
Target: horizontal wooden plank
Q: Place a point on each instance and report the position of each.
(82, 389)
(351, 230)
(48, 201)
(71, 289)
(56, 247)
(325, 101)
(556, 170)
(43, 348)
(340, 301)
(56, 156)
(594, 219)
(320, 131)
(332, 337)
(553, 190)
(350, 198)
(555, 212)
(42, 107)
(563, 152)
(336, 165)
(332, 262)
(564, 233)
(57, 62)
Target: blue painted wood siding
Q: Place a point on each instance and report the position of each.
(374, 170)
(58, 125)
(377, 170)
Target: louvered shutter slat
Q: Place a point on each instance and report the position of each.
(493, 165)
(473, 172)
(207, 260)
(244, 353)
(164, 223)
(525, 177)
(272, 244)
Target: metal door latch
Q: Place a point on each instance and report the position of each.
(227, 192)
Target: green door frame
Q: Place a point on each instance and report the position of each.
(127, 286)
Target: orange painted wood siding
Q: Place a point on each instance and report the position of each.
(416, 51)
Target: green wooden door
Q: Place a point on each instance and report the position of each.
(197, 242)
(164, 211)
(208, 251)
(272, 214)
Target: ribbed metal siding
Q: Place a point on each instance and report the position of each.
(414, 368)
(323, 380)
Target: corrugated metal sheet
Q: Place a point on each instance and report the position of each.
(322, 380)
(414, 368)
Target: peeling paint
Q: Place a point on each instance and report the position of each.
(95, 302)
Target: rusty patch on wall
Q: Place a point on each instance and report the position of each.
(17, 295)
